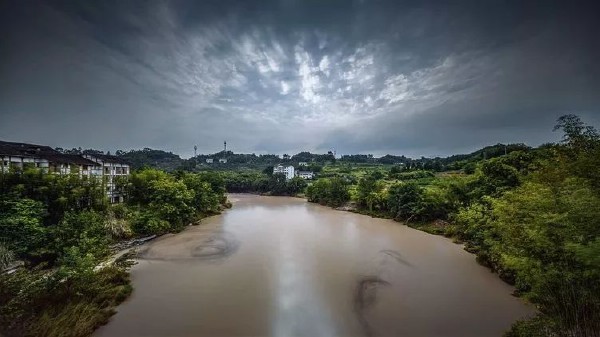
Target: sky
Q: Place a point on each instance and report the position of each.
(415, 78)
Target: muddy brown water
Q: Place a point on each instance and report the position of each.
(275, 266)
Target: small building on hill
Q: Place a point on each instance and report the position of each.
(306, 174)
(288, 171)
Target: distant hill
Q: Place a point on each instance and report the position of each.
(147, 157)
(169, 161)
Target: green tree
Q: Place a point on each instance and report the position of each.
(548, 234)
(405, 200)
(205, 199)
(21, 228)
(295, 185)
(329, 191)
(161, 199)
(368, 190)
(84, 231)
(580, 153)
(172, 201)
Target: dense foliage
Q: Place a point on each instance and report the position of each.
(262, 182)
(158, 159)
(328, 191)
(532, 215)
(159, 202)
(62, 227)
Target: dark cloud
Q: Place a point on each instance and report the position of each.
(404, 77)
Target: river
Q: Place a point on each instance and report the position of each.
(277, 266)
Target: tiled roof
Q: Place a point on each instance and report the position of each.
(41, 151)
(109, 158)
(24, 150)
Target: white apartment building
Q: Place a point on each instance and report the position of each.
(209, 160)
(287, 170)
(111, 168)
(21, 156)
(223, 160)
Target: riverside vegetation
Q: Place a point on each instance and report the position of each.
(532, 216)
(62, 228)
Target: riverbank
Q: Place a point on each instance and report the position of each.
(75, 300)
(283, 266)
(435, 227)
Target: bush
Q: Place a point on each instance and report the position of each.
(117, 222)
(21, 227)
(332, 192)
(146, 223)
(406, 201)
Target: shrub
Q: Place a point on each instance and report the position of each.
(146, 222)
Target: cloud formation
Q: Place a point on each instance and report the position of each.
(283, 76)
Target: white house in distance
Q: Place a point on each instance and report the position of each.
(209, 160)
(111, 167)
(302, 163)
(306, 174)
(223, 161)
(288, 171)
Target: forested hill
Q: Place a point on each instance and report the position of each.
(235, 161)
(146, 157)
(169, 161)
(158, 159)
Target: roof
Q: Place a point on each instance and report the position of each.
(79, 160)
(108, 158)
(41, 151)
(24, 149)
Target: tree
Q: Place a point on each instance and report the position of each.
(205, 199)
(549, 235)
(580, 152)
(577, 135)
(405, 200)
(163, 198)
(21, 227)
(368, 190)
(268, 170)
(328, 191)
(495, 177)
(277, 184)
(81, 230)
(295, 185)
